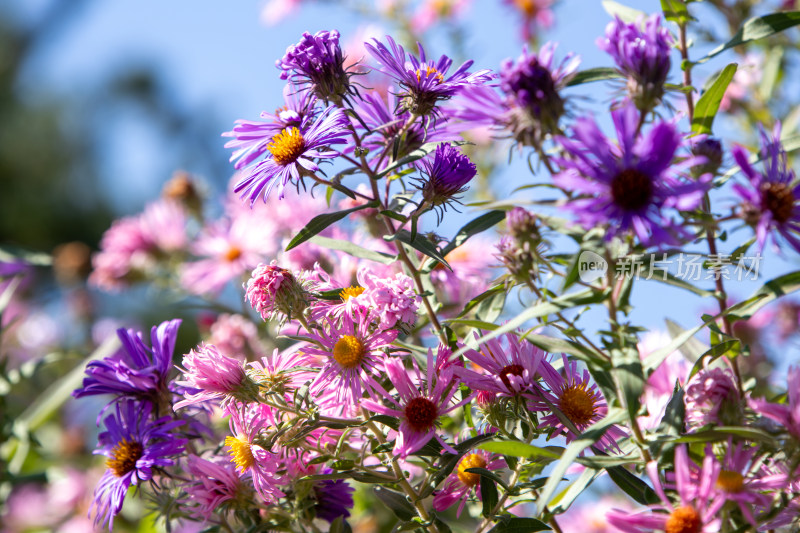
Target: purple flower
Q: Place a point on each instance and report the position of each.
(448, 173)
(135, 370)
(292, 153)
(251, 139)
(786, 415)
(418, 410)
(641, 52)
(317, 61)
(628, 186)
(770, 203)
(425, 82)
(135, 447)
(334, 498)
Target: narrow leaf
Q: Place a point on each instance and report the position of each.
(594, 74)
(633, 486)
(758, 28)
(708, 105)
(676, 11)
(473, 227)
(520, 525)
(420, 244)
(320, 222)
(521, 449)
(488, 495)
(397, 503)
(353, 249)
(627, 14)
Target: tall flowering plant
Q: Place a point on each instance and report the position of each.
(376, 360)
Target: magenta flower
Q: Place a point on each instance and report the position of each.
(218, 378)
(235, 336)
(577, 398)
(695, 512)
(628, 187)
(508, 369)
(418, 410)
(272, 291)
(351, 356)
(293, 152)
(216, 485)
(461, 485)
(281, 371)
(770, 203)
(135, 446)
(786, 415)
(712, 397)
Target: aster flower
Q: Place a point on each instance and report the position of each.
(786, 415)
(272, 291)
(628, 186)
(694, 512)
(447, 174)
(251, 139)
(217, 377)
(281, 371)
(535, 14)
(292, 153)
(216, 486)
(247, 422)
(509, 366)
(712, 397)
(641, 53)
(424, 82)
(317, 61)
(708, 148)
(135, 370)
(235, 336)
(578, 399)
(418, 410)
(351, 355)
(770, 203)
(334, 498)
(135, 447)
(461, 485)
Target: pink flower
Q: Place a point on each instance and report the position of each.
(471, 271)
(696, 512)
(275, 11)
(713, 398)
(235, 336)
(418, 410)
(461, 485)
(279, 372)
(272, 290)
(590, 517)
(218, 377)
(391, 300)
(535, 14)
(432, 11)
(508, 369)
(661, 383)
(786, 415)
(215, 484)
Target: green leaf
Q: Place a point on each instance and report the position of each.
(397, 503)
(627, 14)
(420, 244)
(769, 292)
(520, 525)
(629, 376)
(633, 486)
(353, 249)
(488, 494)
(487, 294)
(320, 222)
(553, 345)
(488, 474)
(490, 309)
(594, 74)
(708, 104)
(676, 11)
(673, 423)
(564, 499)
(417, 154)
(758, 28)
(473, 227)
(10, 254)
(521, 449)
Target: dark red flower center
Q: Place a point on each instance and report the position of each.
(515, 370)
(421, 413)
(124, 456)
(778, 199)
(631, 189)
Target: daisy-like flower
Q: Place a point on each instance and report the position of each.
(292, 154)
(317, 61)
(694, 512)
(216, 376)
(641, 53)
(628, 187)
(235, 336)
(447, 174)
(461, 485)
(351, 355)
(280, 371)
(135, 446)
(536, 14)
(251, 139)
(272, 291)
(509, 366)
(425, 82)
(418, 410)
(578, 399)
(786, 415)
(216, 486)
(771, 201)
(135, 370)
(261, 465)
(712, 397)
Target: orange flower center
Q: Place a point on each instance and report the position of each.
(472, 460)
(683, 520)
(286, 146)
(348, 351)
(124, 456)
(730, 481)
(233, 253)
(577, 403)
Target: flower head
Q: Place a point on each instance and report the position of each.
(786, 415)
(272, 290)
(318, 62)
(712, 397)
(628, 186)
(460, 485)
(135, 445)
(641, 52)
(535, 14)
(215, 486)
(425, 82)
(509, 366)
(334, 498)
(771, 202)
(216, 376)
(292, 153)
(447, 174)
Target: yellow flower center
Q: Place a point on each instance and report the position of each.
(472, 460)
(730, 481)
(683, 520)
(233, 253)
(286, 146)
(241, 452)
(348, 351)
(351, 292)
(124, 456)
(577, 403)
(427, 72)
